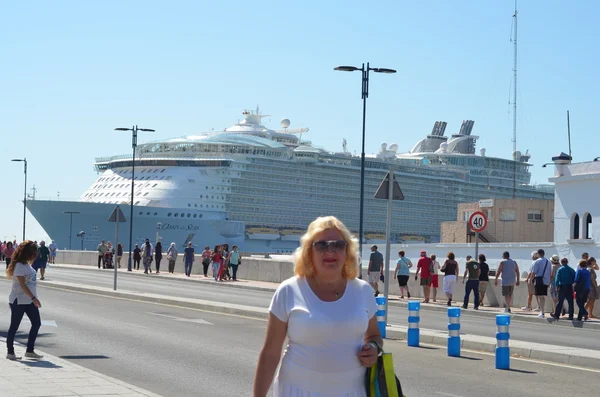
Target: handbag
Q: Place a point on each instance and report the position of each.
(539, 280)
(380, 379)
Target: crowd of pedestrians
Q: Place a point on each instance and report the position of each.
(223, 261)
(544, 276)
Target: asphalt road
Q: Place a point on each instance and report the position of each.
(482, 326)
(174, 352)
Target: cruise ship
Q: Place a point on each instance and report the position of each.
(259, 188)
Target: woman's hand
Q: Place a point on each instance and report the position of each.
(36, 302)
(367, 355)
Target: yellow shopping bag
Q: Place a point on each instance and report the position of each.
(380, 379)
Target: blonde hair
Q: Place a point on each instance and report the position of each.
(304, 267)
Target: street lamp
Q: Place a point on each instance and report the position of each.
(71, 213)
(365, 94)
(81, 235)
(158, 227)
(24, 160)
(134, 130)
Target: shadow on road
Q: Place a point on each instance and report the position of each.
(84, 357)
(520, 371)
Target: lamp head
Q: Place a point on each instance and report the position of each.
(346, 68)
(122, 129)
(383, 70)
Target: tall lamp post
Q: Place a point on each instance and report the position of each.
(24, 160)
(134, 130)
(81, 235)
(71, 213)
(365, 94)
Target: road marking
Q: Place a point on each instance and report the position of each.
(183, 320)
(49, 323)
(447, 394)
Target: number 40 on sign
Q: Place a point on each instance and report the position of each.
(478, 221)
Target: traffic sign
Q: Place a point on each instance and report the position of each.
(383, 192)
(478, 221)
(117, 216)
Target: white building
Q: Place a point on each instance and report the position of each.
(577, 204)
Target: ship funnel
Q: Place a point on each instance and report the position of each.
(562, 159)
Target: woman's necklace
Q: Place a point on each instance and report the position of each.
(335, 290)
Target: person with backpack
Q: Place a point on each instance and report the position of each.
(425, 266)
(565, 278)
(172, 257)
(473, 269)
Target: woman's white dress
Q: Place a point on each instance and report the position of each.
(324, 339)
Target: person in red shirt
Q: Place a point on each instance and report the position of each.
(424, 266)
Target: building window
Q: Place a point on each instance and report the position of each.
(587, 229)
(467, 215)
(575, 226)
(169, 214)
(508, 214)
(534, 216)
(488, 214)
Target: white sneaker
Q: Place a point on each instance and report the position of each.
(13, 357)
(33, 355)
(526, 309)
(537, 310)
(541, 315)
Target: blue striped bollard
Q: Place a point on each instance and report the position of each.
(381, 315)
(454, 331)
(413, 323)
(502, 339)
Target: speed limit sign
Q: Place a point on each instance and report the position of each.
(478, 221)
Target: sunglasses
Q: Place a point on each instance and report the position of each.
(324, 245)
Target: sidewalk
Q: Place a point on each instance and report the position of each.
(53, 376)
(484, 311)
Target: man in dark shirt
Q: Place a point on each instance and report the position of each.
(375, 269)
(472, 268)
(44, 253)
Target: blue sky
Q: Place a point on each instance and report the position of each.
(72, 71)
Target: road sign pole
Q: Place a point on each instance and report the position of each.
(117, 244)
(388, 238)
(476, 245)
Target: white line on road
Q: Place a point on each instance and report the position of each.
(447, 394)
(184, 320)
(49, 323)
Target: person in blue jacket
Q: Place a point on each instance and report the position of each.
(583, 283)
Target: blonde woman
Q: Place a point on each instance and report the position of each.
(23, 298)
(328, 316)
(594, 291)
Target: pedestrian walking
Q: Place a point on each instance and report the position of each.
(426, 268)
(52, 247)
(565, 278)
(109, 257)
(509, 270)
(555, 262)
(137, 257)
(8, 252)
(472, 269)
(234, 260)
(324, 293)
(42, 260)
(216, 261)
(172, 257)
(102, 248)
(225, 255)
(484, 277)
(375, 269)
(147, 251)
(434, 284)
(531, 286)
(158, 255)
(402, 272)
(450, 269)
(23, 299)
(541, 275)
(119, 254)
(583, 284)
(594, 290)
(188, 259)
(206, 260)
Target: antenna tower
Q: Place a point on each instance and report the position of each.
(514, 103)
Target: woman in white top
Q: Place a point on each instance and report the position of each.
(328, 316)
(23, 298)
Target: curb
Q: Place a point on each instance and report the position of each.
(563, 322)
(553, 354)
(188, 280)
